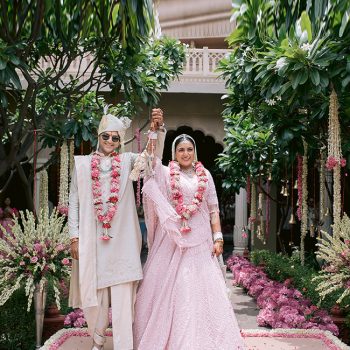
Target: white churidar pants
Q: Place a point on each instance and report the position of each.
(121, 297)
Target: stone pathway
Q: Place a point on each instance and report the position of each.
(244, 306)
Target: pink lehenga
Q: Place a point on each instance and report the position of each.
(182, 302)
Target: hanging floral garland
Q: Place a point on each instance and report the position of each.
(334, 142)
(268, 211)
(138, 190)
(44, 192)
(304, 207)
(335, 159)
(253, 211)
(261, 229)
(71, 156)
(63, 191)
(300, 185)
(322, 185)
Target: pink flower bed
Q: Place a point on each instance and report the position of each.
(281, 305)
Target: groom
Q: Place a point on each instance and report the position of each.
(105, 232)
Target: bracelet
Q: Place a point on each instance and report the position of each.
(219, 240)
(73, 240)
(217, 235)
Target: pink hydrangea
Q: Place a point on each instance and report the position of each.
(34, 259)
(65, 261)
(280, 305)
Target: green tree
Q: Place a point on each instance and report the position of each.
(286, 57)
(109, 44)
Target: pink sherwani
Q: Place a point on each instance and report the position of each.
(182, 301)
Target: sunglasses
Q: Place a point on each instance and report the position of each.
(106, 137)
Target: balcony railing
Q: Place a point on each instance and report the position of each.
(199, 72)
(203, 62)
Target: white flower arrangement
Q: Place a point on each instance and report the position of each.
(36, 250)
(335, 251)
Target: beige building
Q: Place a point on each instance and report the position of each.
(195, 100)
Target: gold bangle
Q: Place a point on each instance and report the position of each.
(219, 241)
(73, 240)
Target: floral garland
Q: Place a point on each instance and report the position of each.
(322, 186)
(63, 192)
(71, 156)
(261, 230)
(331, 341)
(138, 190)
(335, 159)
(253, 211)
(44, 192)
(268, 210)
(300, 185)
(186, 211)
(334, 143)
(304, 208)
(336, 194)
(105, 218)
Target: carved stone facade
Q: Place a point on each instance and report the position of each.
(202, 23)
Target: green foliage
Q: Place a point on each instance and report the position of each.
(280, 267)
(52, 53)
(248, 144)
(286, 56)
(17, 325)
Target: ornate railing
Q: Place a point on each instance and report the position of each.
(203, 62)
(200, 62)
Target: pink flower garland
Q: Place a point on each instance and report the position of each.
(184, 210)
(57, 340)
(328, 340)
(300, 185)
(332, 162)
(107, 217)
(138, 190)
(268, 207)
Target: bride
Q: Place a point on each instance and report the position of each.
(182, 301)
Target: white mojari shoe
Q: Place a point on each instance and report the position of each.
(97, 347)
(98, 342)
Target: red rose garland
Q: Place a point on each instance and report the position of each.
(106, 217)
(186, 210)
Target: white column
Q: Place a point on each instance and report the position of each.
(241, 222)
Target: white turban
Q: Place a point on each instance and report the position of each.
(109, 122)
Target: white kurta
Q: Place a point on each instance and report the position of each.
(104, 263)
